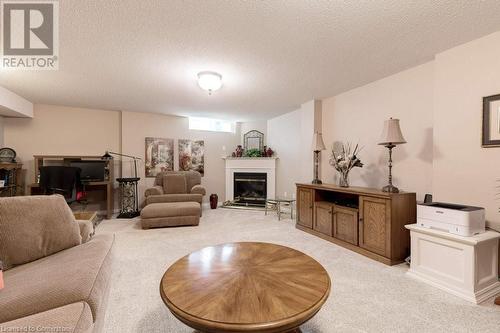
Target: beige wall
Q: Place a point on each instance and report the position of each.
(60, 130)
(290, 136)
(282, 136)
(464, 172)
(138, 125)
(357, 116)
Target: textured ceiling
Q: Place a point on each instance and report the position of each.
(143, 55)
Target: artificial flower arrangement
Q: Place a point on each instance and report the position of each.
(344, 161)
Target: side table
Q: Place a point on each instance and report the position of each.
(276, 204)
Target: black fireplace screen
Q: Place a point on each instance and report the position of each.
(250, 188)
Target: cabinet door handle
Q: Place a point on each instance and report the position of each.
(361, 219)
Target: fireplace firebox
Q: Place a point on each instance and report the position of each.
(250, 189)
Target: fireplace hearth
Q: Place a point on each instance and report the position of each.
(250, 189)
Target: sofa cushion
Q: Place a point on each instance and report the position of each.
(174, 184)
(80, 273)
(75, 317)
(192, 178)
(174, 198)
(170, 209)
(33, 227)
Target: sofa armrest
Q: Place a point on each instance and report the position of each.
(198, 189)
(86, 230)
(155, 190)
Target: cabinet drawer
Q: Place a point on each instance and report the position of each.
(323, 221)
(345, 224)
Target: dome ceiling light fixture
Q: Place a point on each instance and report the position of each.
(209, 81)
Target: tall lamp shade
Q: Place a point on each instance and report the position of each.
(390, 138)
(391, 133)
(318, 143)
(317, 146)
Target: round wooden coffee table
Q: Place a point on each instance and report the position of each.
(245, 287)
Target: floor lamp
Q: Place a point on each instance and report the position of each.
(129, 200)
(390, 138)
(318, 146)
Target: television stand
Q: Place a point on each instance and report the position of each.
(102, 191)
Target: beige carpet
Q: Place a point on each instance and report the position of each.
(366, 296)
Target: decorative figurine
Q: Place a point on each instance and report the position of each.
(239, 151)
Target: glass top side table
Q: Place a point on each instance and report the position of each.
(278, 203)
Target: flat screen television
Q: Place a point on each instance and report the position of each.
(91, 170)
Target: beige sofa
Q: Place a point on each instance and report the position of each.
(176, 186)
(53, 281)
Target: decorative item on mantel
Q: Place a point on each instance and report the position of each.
(239, 151)
(390, 138)
(318, 145)
(344, 161)
(252, 152)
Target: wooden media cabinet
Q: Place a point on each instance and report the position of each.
(367, 221)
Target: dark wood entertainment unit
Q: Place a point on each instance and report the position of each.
(367, 221)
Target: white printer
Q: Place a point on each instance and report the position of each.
(456, 219)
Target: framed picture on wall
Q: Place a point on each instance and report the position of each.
(491, 121)
(159, 156)
(192, 155)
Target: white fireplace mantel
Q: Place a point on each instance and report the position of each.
(250, 164)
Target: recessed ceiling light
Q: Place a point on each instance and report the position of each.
(209, 81)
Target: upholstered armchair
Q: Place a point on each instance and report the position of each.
(176, 186)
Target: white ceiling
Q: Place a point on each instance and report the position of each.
(143, 55)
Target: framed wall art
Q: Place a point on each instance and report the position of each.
(192, 155)
(491, 121)
(159, 156)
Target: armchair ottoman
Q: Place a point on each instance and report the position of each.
(170, 214)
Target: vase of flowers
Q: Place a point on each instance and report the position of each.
(344, 161)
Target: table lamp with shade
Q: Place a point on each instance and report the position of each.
(390, 138)
(318, 146)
